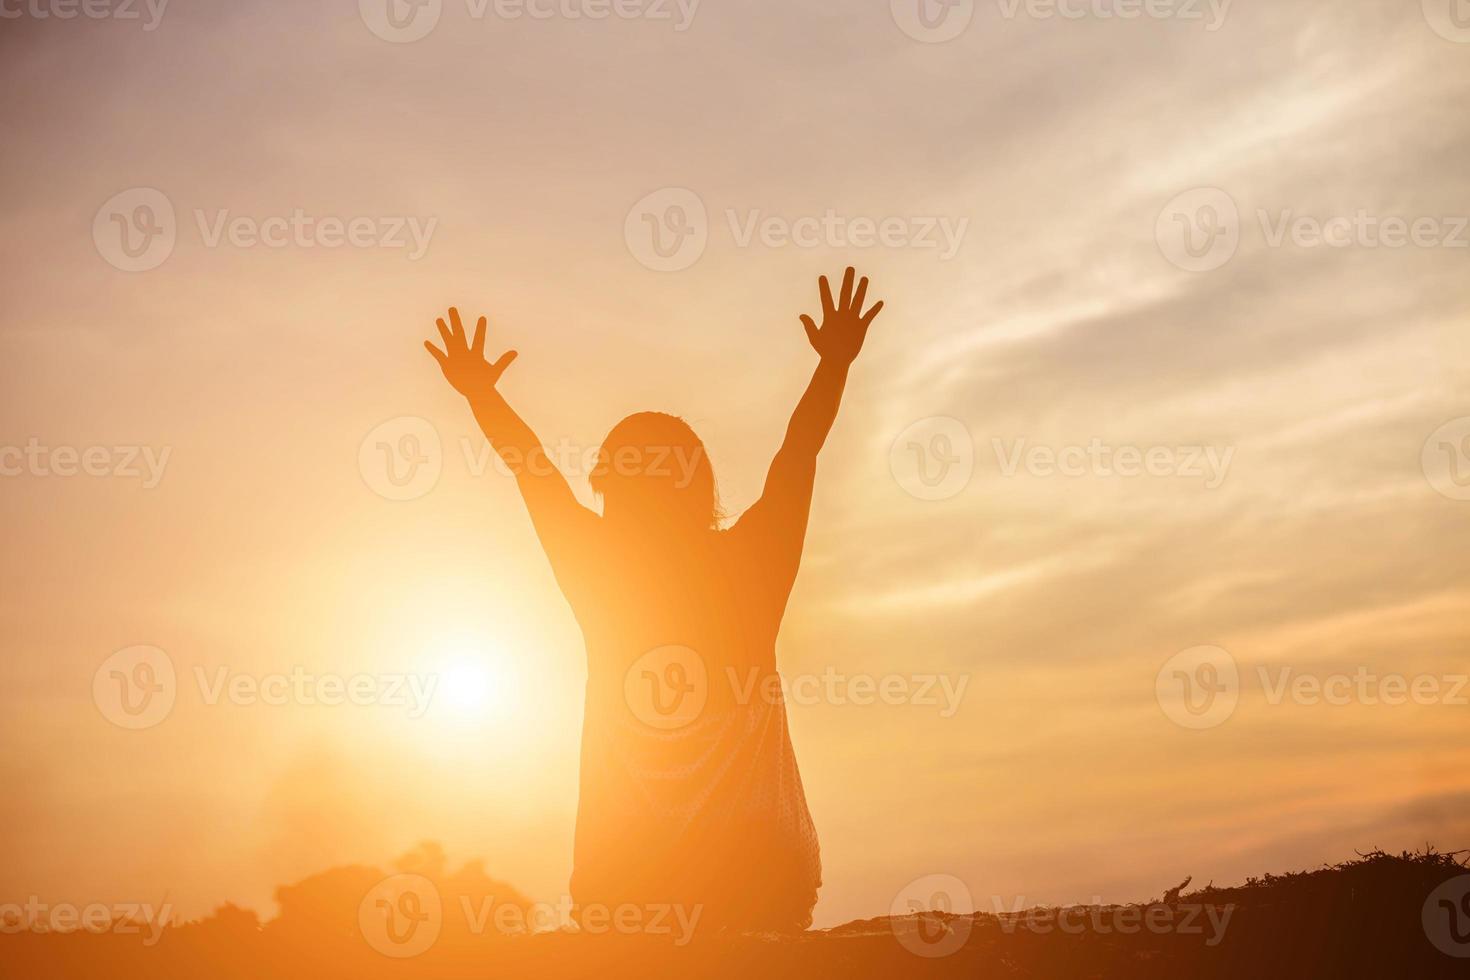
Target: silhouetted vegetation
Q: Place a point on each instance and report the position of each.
(1361, 918)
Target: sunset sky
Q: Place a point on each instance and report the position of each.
(1051, 149)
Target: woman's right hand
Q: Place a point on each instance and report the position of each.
(463, 362)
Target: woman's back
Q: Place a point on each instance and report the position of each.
(690, 791)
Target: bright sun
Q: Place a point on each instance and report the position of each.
(473, 685)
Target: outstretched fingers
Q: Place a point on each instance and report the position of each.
(438, 354)
(860, 295)
(828, 307)
(846, 301)
(458, 326)
(478, 347)
(810, 326)
(446, 334)
(871, 314)
(503, 362)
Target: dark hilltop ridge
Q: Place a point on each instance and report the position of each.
(1379, 915)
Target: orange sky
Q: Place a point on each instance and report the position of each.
(1049, 149)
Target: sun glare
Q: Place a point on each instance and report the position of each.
(473, 685)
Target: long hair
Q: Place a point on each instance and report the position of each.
(653, 467)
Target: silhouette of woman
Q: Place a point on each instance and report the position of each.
(689, 793)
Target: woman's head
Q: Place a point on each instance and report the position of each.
(653, 469)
